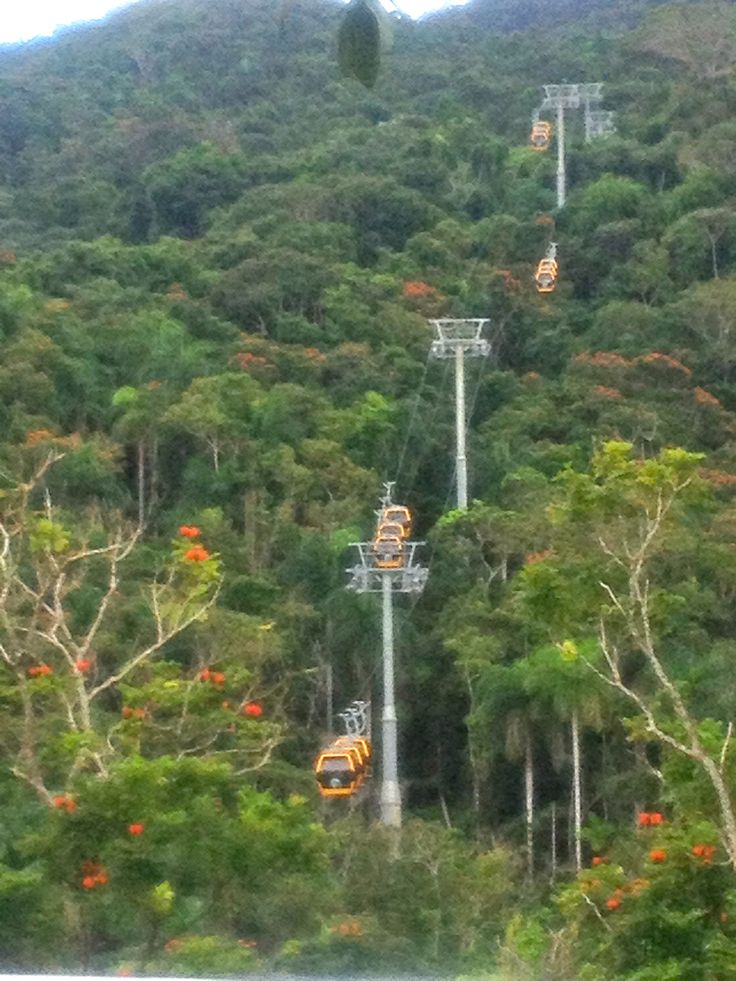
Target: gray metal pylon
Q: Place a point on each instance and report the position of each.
(597, 122)
(457, 339)
(368, 577)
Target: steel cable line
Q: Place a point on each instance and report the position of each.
(412, 417)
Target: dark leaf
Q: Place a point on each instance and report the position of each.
(359, 43)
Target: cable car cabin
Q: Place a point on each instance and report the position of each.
(545, 277)
(337, 773)
(359, 744)
(541, 135)
(400, 515)
(353, 745)
(363, 745)
(390, 529)
(388, 553)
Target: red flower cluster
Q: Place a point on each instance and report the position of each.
(350, 928)
(40, 671)
(82, 664)
(248, 360)
(253, 709)
(656, 357)
(658, 855)
(171, 946)
(649, 819)
(135, 829)
(214, 677)
(613, 903)
(706, 852)
(415, 289)
(64, 802)
(133, 713)
(35, 436)
(314, 354)
(607, 393)
(197, 554)
(599, 860)
(719, 477)
(176, 292)
(602, 359)
(705, 398)
(94, 875)
(189, 531)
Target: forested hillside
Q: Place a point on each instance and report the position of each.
(217, 262)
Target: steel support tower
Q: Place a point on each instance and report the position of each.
(598, 122)
(365, 577)
(456, 339)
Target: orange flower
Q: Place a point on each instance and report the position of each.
(602, 359)
(598, 860)
(656, 357)
(656, 818)
(89, 882)
(613, 903)
(706, 398)
(65, 802)
(414, 289)
(189, 531)
(197, 554)
(135, 829)
(126, 712)
(205, 674)
(253, 709)
(535, 557)
(706, 852)
(82, 664)
(40, 671)
(607, 393)
(218, 678)
(658, 855)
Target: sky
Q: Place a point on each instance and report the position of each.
(33, 18)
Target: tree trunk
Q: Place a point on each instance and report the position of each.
(577, 789)
(141, 483)
(250, 532)
(153, 477)
(529, 804)
(475, 776)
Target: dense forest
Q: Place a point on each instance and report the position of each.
(218, 258)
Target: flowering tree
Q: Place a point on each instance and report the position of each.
(76, 625)
(634, 532)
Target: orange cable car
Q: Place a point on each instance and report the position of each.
(400, 515)
(388, 552)
(541, 135)
(545, 278)
(337, 772)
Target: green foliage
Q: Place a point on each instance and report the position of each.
(218, 260)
